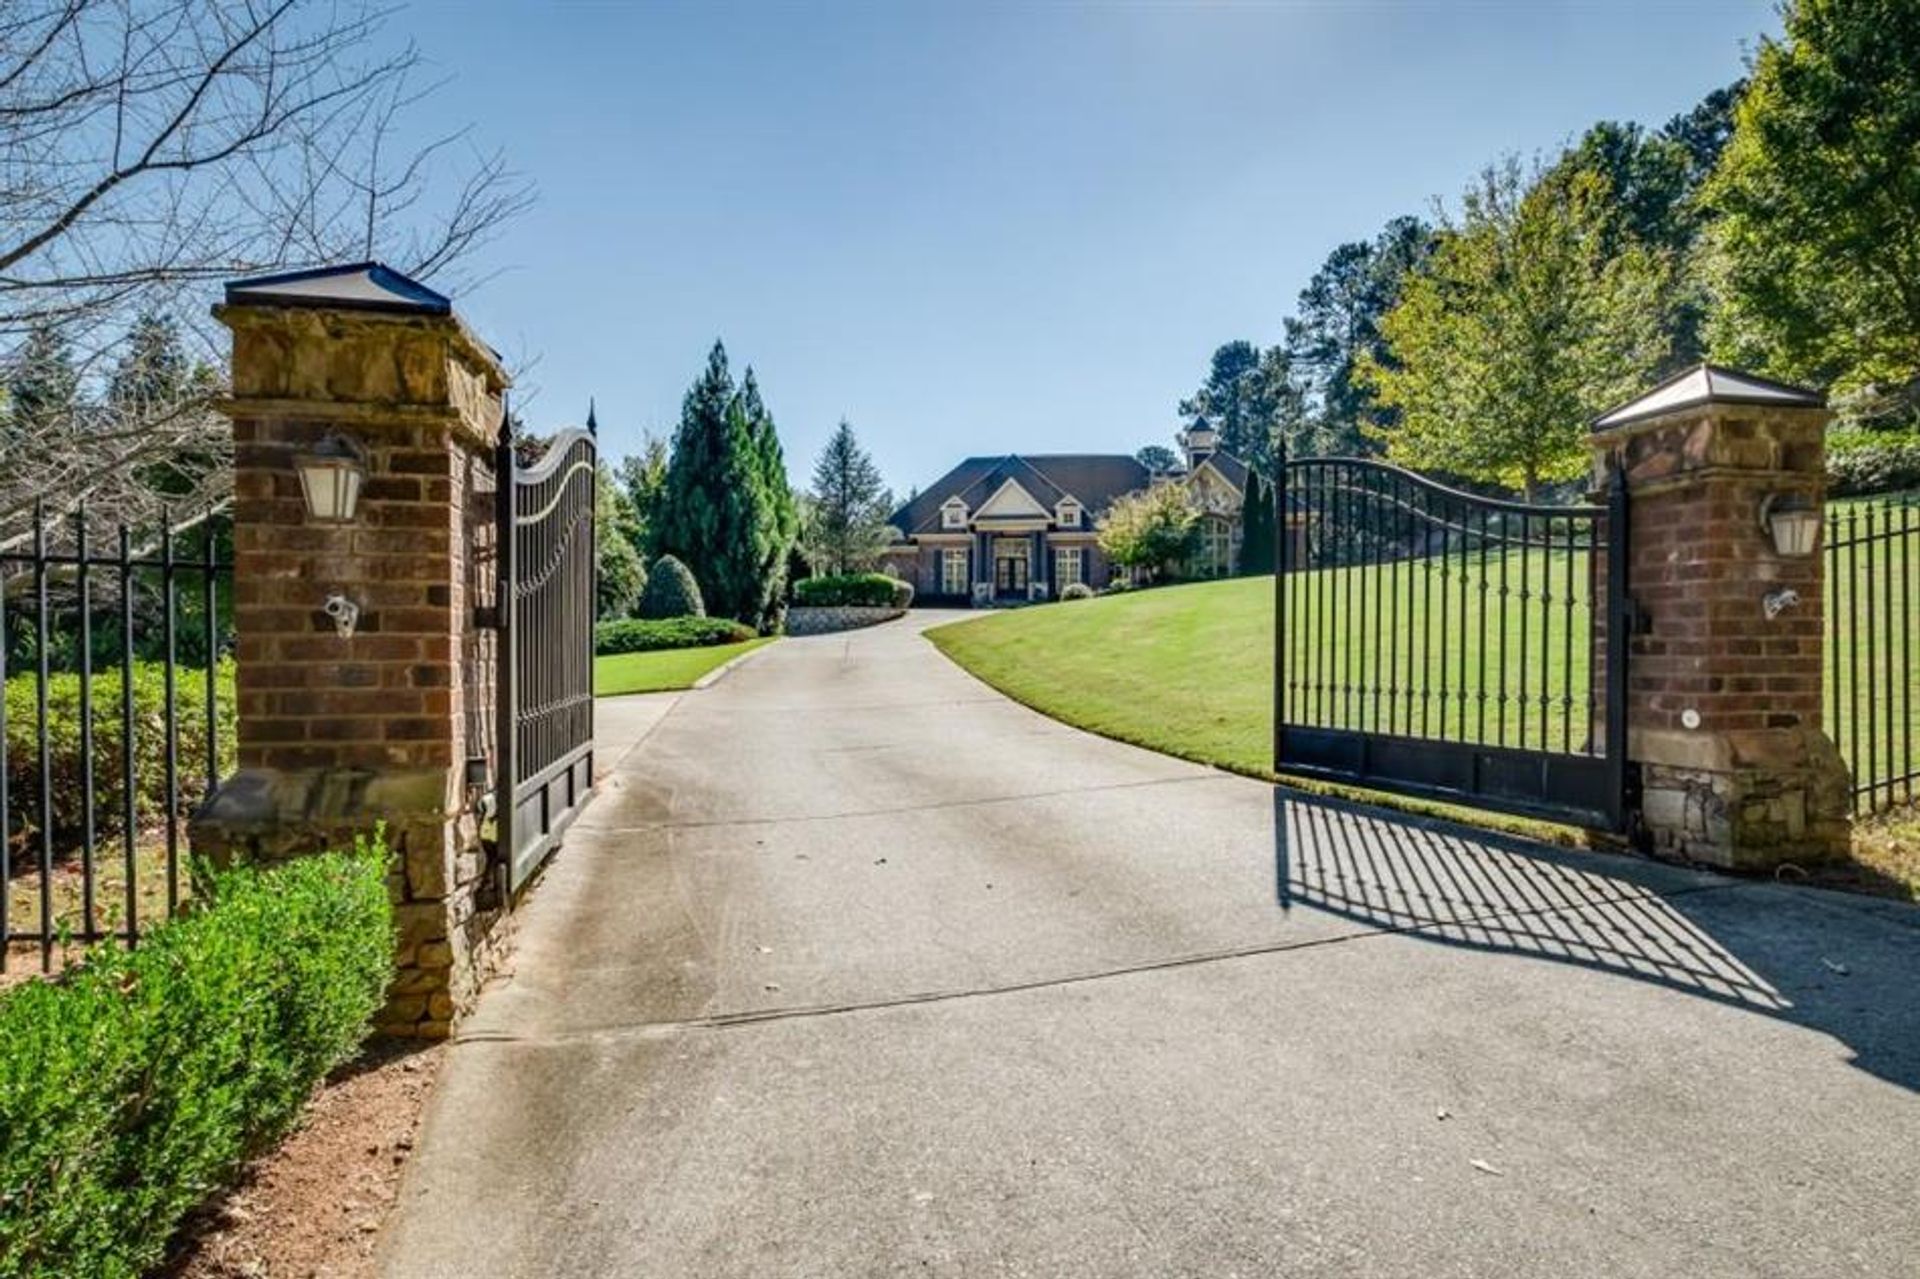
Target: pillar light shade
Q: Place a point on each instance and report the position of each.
(330, 479)
(1792, 523)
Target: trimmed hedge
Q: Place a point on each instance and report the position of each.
(1860, 462)
(853, 590)
(671, 591)
(633, 636)
(149, 746)
(1076, 591)
(137, 1085)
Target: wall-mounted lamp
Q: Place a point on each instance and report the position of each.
(330, 478)
(1791, 521)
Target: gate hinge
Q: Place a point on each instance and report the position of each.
(1638, 620)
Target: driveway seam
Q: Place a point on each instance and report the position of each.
(987, 801)
(756, 1017)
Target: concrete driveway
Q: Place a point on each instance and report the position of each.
(858, 968)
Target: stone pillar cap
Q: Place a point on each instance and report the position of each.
(357, 286)
(1705, 384)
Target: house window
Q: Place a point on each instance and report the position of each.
(953, 571)
(953, 514)
(1216, 547)
(1067, 513)
(1067, 567)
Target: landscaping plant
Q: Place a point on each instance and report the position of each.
(671, 591)
(632, 636)
(65, 758)
(853, 590)
(138, 1084)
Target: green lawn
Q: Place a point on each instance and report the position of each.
(665, 670)
(1188, 669)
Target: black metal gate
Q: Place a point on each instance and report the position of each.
(1440, 643)
(545, 575)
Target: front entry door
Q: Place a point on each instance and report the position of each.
(1010, 575)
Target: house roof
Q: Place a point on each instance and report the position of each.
(1709, 384)
(1092, 479)
(1229, 466)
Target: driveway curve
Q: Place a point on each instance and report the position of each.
(856, 967)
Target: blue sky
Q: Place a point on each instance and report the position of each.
(988, 228)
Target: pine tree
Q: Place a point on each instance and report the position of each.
(43, 387)
(850, 506)
(154, 371)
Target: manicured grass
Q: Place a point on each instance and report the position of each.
(662, 671)
(1188, 670)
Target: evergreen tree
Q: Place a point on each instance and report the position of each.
(849, 508)
(776, 512)
(1227, 399)
(1157, 458)
(702, 519)
(726, 509)
(1256, 528)
(43, 387)
(153, 372)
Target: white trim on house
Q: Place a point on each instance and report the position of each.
(1068, 512)
(1011, 501)
(1206, 464)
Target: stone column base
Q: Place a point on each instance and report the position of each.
(450, 931)
(1744, 800)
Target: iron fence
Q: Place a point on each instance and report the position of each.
(1873, 608)
(117, 719)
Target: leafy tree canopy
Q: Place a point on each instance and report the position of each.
(1518, 330)
(1817, 196)
(1154, 528)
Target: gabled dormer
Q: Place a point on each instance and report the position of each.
(1012, 501)
(1068, 513)
(953, 513)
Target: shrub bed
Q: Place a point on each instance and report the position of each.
(65, 759)
(138, 1084)
(1860, 462)
(853, 590)
(637, 636)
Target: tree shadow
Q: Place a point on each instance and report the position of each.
(1842, 966)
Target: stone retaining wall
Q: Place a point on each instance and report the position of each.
(823, 621)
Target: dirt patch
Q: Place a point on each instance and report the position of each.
(313, 1208)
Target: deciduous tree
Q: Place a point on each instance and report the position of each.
(1517, 331)
(1817, 238)
(1155, 529)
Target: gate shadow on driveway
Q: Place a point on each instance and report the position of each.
(1843, 966)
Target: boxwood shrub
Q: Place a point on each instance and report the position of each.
(671, 591)
(636, 636)
(852, 590)
(65, 758)
(136, 1085)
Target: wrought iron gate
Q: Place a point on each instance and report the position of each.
(545, 587)
(1439, 643)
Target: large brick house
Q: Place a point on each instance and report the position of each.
(1020, 527)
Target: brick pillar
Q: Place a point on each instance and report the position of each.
(1724, 702)
(340, 732)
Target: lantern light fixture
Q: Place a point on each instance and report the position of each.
(330, 479)
(1792, 522)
